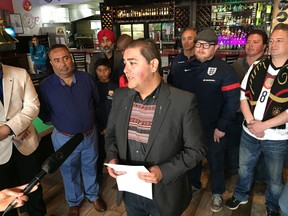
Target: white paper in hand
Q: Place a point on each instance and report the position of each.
(130, 181)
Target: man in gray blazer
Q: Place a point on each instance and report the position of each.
(19, 105)
(155, 125)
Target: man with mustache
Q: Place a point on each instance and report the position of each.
(106, 40)
(68, 100)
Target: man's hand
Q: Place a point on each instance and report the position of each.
(153, 176)
(22, 136)
(218, 135)
(113, 173)
(257, 128)
(104, 132)
(4, 132)
(8, 195)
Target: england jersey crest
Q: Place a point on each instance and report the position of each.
(211, 71)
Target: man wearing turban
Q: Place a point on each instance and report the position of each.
(106, 40)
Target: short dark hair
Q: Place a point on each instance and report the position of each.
(281, 26)
(34, 36)
(148, 50)
(102, 61)
(259, 32)
(56, 46)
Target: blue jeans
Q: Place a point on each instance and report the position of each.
(233, 137)
(136, 205)
(283, 201)
(40, 68)
(274, 152)
(80, 167)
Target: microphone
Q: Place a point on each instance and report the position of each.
(50, 165)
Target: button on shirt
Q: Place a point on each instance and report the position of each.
(71, 109)
(140, 123)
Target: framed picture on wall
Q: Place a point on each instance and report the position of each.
(16, 23)
(60, 30)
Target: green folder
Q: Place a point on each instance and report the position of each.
(41, 127)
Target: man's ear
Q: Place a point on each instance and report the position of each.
(154, 65)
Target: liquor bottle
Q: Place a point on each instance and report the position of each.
(249, 20)
(258, 14)
(161, 46)
(268, 13)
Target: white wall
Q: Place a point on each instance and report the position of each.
(31, 20)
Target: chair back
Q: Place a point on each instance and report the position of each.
(165, 70)
(80, 61)
(230, 59)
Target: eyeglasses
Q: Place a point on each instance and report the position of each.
(204, 45)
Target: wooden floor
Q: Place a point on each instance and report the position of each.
(199, 205)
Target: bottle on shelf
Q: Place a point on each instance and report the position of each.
(268, 13)
(231, 38)
(258, 14)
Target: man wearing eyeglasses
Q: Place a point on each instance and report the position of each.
(216, 86)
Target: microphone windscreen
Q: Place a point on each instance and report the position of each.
(52, 163)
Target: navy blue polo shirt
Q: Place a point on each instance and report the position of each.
(71, 109)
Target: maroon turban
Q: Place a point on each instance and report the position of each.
(106, 32)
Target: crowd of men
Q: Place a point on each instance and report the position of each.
(234, 115)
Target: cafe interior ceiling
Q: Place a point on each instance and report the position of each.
(83, 10)
(79, 10)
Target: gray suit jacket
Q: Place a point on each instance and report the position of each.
(175, 143)
(21, 106)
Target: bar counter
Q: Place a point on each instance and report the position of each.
(167, 52)
(224, 53)
(90, 52)
(219, 53)
(87, 51)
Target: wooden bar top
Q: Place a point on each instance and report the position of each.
(224, 53)
(87, 51)
(219, 53)
(166, 52)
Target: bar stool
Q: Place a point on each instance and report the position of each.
(80, 61)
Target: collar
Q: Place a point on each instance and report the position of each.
(73, 81)
(154, 95)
